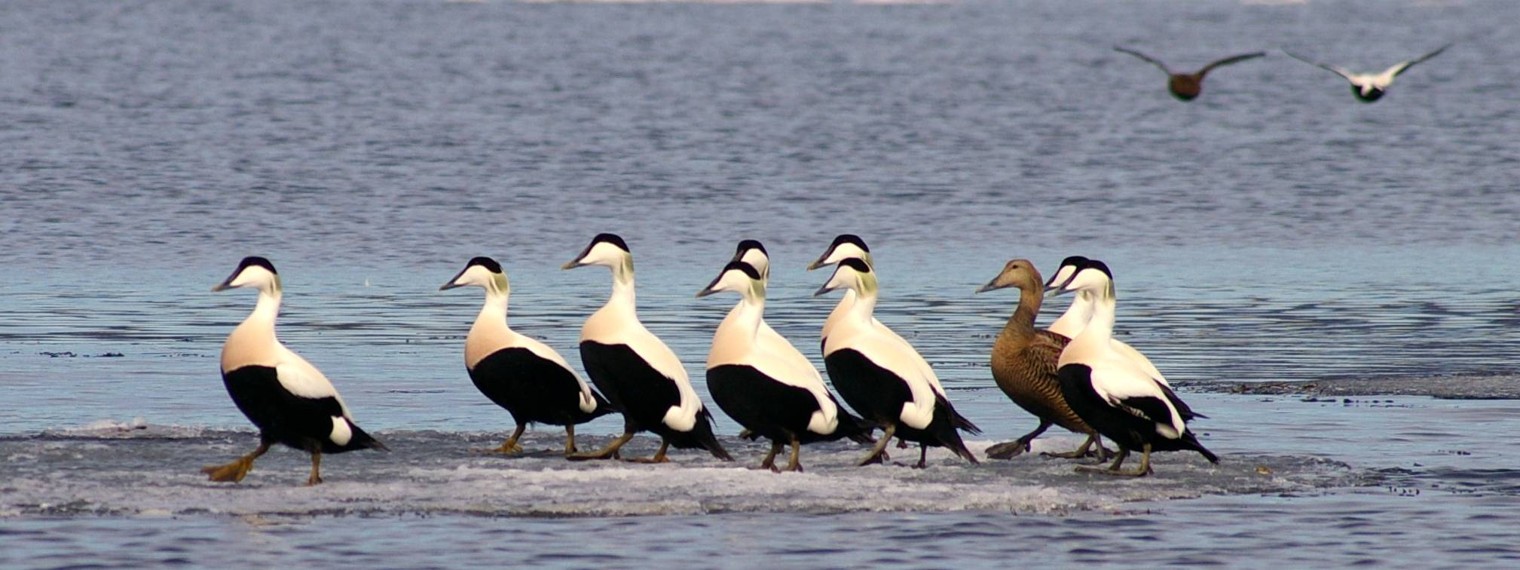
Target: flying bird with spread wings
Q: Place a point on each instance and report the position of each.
(1187, 86)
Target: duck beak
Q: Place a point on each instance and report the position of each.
(572, 264)
(1052, 288)
(453, 282)
(991, 286)
(824, 289)
(225, 284)
(817, 263)
(711, 287)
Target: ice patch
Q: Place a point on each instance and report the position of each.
(441, 472)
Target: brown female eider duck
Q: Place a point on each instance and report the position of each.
(1187, 86)
(1024, 365)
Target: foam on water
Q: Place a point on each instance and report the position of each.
(140, 469)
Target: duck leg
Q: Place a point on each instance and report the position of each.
(570, 440)
(316, 469)
(795, 463)
(923, 456)
(1011, 449)
(879, 451)
(609, 452)
(239, 468)
(510, 446)
(1084, 450)
(1113, 469)
(659, 456)
(770, 457)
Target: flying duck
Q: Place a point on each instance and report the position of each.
(523, 375)
(883, 378)
(287, 398)
(1187, 86)
(1024, 365)
(634, 369)
(1071, 323)
(1369, 87)
(1113, 395)
(770, 389)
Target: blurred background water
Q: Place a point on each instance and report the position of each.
(1273, 229)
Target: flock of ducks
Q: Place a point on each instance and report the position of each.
(1073, 374)
(1367, 87)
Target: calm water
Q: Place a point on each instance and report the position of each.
(1274, 229)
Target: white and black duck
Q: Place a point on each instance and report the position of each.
(287, 398)
(1112, 394)
(637, 372)
(770, 389)
(520, 374)
(883, 377)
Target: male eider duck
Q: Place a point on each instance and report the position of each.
(523, 375)
(1187, 86)
(289, 400)
(770, 389)
(1369, 87)
(753, 253)
(883, 378)
(844, 246)
(635, 370)
(1071, 323)
(1113, 395)
(1024, 365)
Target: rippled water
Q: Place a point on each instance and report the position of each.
(1274, 229)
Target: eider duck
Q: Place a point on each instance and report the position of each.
(1071, 323)
(1112, 394)
(1369, 87)
(883, 378)
(772, 390)
(1024, 365)
(524, 376)
(753, 253)
(844, 246)
(287, 398)
(635, 370)
(1187, 86)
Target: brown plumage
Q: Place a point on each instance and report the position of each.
(1186, 86)
(1024, 364)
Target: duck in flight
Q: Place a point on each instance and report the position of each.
(1187, 86)
(1369, 87)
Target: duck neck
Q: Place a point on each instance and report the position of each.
(861, 310)
(253, 340)
(1100, 328)
(266, 310)
(1071, 322)
(494, 311)
(622, 286)
(1022, 321)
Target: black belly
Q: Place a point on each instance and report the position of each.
(875, 393)
(531, 388)
(878, 395)
(762, 405)
(1125, 429)
(283, 417)
(634, 387)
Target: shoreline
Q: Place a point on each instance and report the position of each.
(1464, 387)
